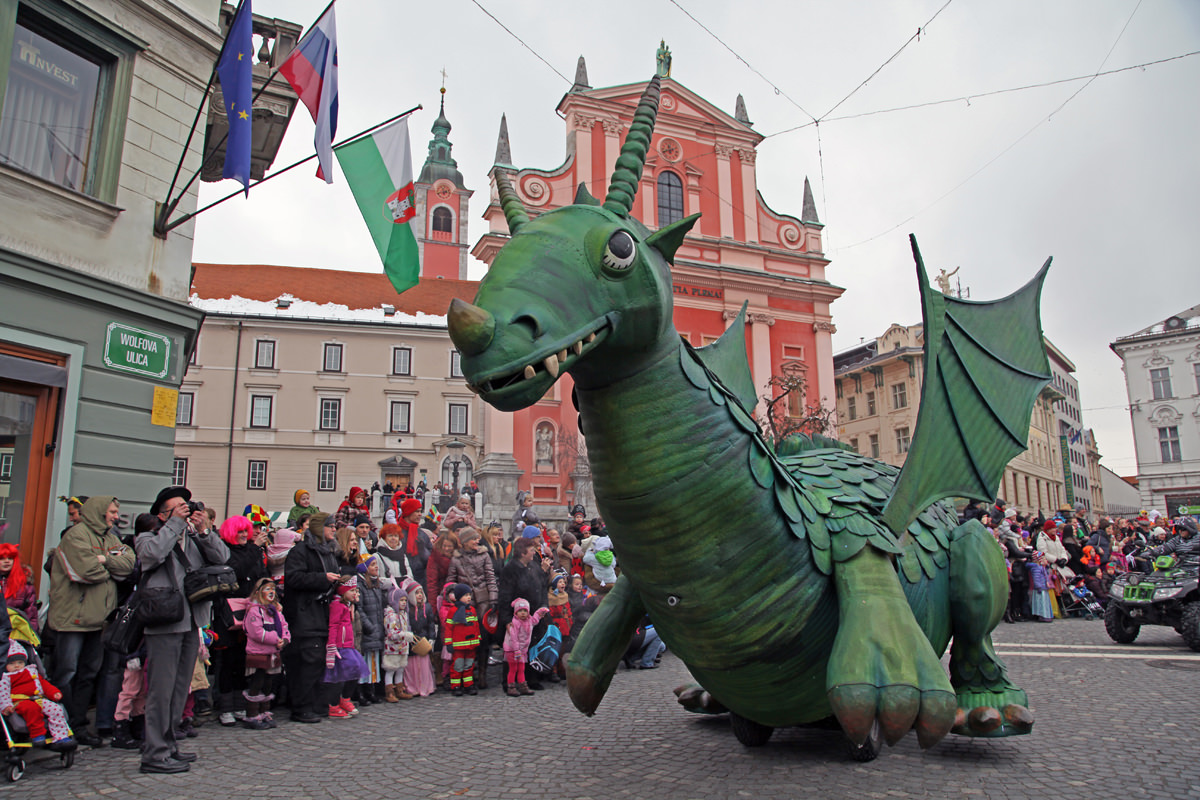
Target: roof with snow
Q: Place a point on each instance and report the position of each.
(308, 293)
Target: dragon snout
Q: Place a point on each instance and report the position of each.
(471, 327)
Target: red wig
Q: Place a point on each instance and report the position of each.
(16, 578)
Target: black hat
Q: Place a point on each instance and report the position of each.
(166, 494)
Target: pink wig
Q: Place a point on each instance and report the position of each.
(231, 527)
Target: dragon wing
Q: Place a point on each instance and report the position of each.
(985, 365)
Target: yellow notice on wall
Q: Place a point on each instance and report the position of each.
(164, 408)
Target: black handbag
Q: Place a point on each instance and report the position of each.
(205, 583)
(161, 605)
(125, 630)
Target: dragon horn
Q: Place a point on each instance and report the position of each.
(514, 212)
(628, 172)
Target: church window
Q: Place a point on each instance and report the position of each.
(670, 198)
(443, 220)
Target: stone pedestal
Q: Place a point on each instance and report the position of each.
(497, 476)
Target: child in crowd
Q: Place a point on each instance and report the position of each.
(266, 636)
(130, 713)
(372, 600)
(462, 638)
(344, 666)
(446, 609)
(1039, 587)
(516, 645)
(304, 505)
(398, 638)
(24, 692)
(393, 560)
(283, 540)
(559, 603)
(418, 673)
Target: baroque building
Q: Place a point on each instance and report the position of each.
(701, 159)
(1162, 378)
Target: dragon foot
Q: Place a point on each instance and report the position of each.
(992, 714)
(694, 698)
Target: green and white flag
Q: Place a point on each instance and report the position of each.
(378, 169)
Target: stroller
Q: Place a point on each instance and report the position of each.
(1079, 602)
(16, 734)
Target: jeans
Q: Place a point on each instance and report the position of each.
(77, 660)
(651, 648)
(108, 689)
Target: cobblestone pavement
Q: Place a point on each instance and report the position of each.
(1112, 722)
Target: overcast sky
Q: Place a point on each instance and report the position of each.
(1108, 184)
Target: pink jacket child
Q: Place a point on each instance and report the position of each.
(516, 645)
(31, 697)
(265, 628)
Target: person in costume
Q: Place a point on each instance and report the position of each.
(267, 635)
(472, 565)
(16, 579)
(462, 637)
(344, 665)
(30, 696)
(423, 621)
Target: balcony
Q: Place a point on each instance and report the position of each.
(273, 108)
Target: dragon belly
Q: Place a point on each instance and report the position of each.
(731, 591)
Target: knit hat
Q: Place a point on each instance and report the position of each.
(16, 652)
(296, 496)
(467, 535)
(1010, 513)
(394, 598)
(1050, 525)
(520, 603)
(531, 532)
(460, 589)
(346, 587)
(365, 564)
(362, 519)
(1157, 531)
(318, 521)
(409, 506)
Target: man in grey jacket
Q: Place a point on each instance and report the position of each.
(182, 538)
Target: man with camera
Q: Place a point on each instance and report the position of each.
(181, 542)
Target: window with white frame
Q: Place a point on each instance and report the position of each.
(874, 440)
(1168, 444)
(402, 361)
(401, 416)
(183, 408)
(6, 467)
(1160, 383)
(458, 418)
(903, 440)
(331, 414)
(899, 395)
(326, 476)
(455, 364)
(179, 472)
(256, 474)
(331, 361)
(264, 354)
(261, 407)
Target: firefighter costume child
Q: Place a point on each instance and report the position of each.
(462, 637)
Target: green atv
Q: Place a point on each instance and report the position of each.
(1168, 596)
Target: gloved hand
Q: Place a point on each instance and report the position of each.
(331, 656)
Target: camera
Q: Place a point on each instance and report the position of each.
(194, 506)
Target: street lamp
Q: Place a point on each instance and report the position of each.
(456, 448)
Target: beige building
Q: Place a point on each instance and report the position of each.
(878, 387)
(340, 383)
(1095, 476)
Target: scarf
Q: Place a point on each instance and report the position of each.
(460, 613)
(412, 538)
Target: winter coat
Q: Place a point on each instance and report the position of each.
(160, 568)
(1102, 542)
(265, 629)
(249, 562)
(308, 592)
(1038, 579)
(582, 605)
(455, 514)
(463, 635)
(83, 592)
(372, 598)
(25, 684)
(298, 511)
(475, 569)
(519, 636)
(341, 625)
(435, 574)
(423, 622)
(521, 580)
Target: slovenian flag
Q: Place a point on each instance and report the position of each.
(378, 169)
(311, 69)
(235, 69)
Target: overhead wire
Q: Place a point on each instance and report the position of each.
(522, 41)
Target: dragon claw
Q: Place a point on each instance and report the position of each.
(991, 716)
(694, 698)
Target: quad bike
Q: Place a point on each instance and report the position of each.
(1168, 596)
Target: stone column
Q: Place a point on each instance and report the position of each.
(497, 473)
(749, 195)
(583, 152)
(823, 331)
(612, 149)
(725, 188)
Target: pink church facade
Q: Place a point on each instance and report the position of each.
(702, 160)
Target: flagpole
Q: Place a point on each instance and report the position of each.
(160, 223)
(168, 208)
(169, 226)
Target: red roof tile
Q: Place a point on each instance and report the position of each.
(351, 289)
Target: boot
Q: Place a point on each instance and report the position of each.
(523, 688)
(512, 691)
(389, 693)
(402, 692)
(137, 726)
(366, 694)
(481, 679)
(123, 737)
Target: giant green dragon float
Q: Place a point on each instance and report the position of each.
(800, 583)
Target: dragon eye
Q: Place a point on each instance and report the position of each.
(620, 250)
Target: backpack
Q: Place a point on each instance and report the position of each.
(545, 654)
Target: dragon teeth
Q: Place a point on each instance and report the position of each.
(529, 372)
(562, 356)
(551, 364)
(577, 347)
(591, 337)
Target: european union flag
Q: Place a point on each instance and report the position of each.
(234, 70)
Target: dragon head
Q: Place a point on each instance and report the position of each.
(583, 289)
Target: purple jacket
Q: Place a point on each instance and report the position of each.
(264, 629)
(1037, 576)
